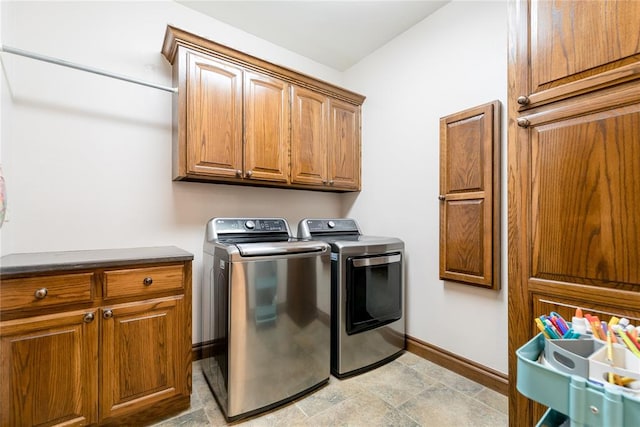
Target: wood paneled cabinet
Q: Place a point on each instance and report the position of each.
(49, 370)
(574, 167)
(241, 120)
(122, 355)
(325, 141)
(218, 143)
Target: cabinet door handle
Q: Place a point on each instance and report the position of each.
(330, 182)
(88, 317)
(523, 100)
(108, 314)
(147, 281)
(523, 123)
(249, 173)
(239, 173)
(441, 197)
(324, 182)
(41, 293)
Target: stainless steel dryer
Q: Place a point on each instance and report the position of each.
(367, 295)
(266, 305)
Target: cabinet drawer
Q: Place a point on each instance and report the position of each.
(45, 291)
(142, 281)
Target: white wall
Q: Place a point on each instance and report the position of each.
(87, 159)
(451, 61)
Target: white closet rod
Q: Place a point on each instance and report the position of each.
(37, 56)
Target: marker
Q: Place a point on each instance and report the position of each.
(633, 339)
(596, 328)
(561, 322)
(554, 321)
(604, 327)
(556, 333)
(610, 355)
(630, 345)
(542, 328)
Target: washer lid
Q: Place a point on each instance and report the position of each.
(280, 248)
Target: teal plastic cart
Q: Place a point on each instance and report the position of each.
(572, 397)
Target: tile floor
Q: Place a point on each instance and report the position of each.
(409, 391)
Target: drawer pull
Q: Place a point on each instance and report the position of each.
(108, 314)
(41, 293)
(594, 409)
(88, 318)
(147, 281)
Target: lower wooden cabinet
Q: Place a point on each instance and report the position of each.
(142, 355)
(49, 370)
(123, 358)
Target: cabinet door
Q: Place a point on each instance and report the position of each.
(49, 370)
(214, 117)
(585, 199)
(574, 229)
(470, 194)
(577, 46)
(142, 359)
(266, 107)
(309, 126)
(344, 145)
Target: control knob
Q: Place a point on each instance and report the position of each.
(331, 224)
(250, 225)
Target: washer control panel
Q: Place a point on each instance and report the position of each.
(251, 225)
(339, 225)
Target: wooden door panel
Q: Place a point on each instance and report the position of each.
(142, 357)
(568, 57)
(49, 370)
(463, 246)
(465, 154)
(214, 117)
(469, 194)
(266, 128)
(586, 199)
(344, 145)
(309, 124)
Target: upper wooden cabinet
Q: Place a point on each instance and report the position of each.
(266, 126)
(344, 145)
(214, 125)
(241, 120)
(574, 47)
(309, 128)
(325, 141)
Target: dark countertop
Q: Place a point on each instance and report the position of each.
(38, 262)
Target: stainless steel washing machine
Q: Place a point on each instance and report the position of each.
(367, 294)
(266, 309)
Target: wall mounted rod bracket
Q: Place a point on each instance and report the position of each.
(37, 56)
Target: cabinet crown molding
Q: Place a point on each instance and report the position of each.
(176, 37)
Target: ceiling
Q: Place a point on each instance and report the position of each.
(334, 33)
